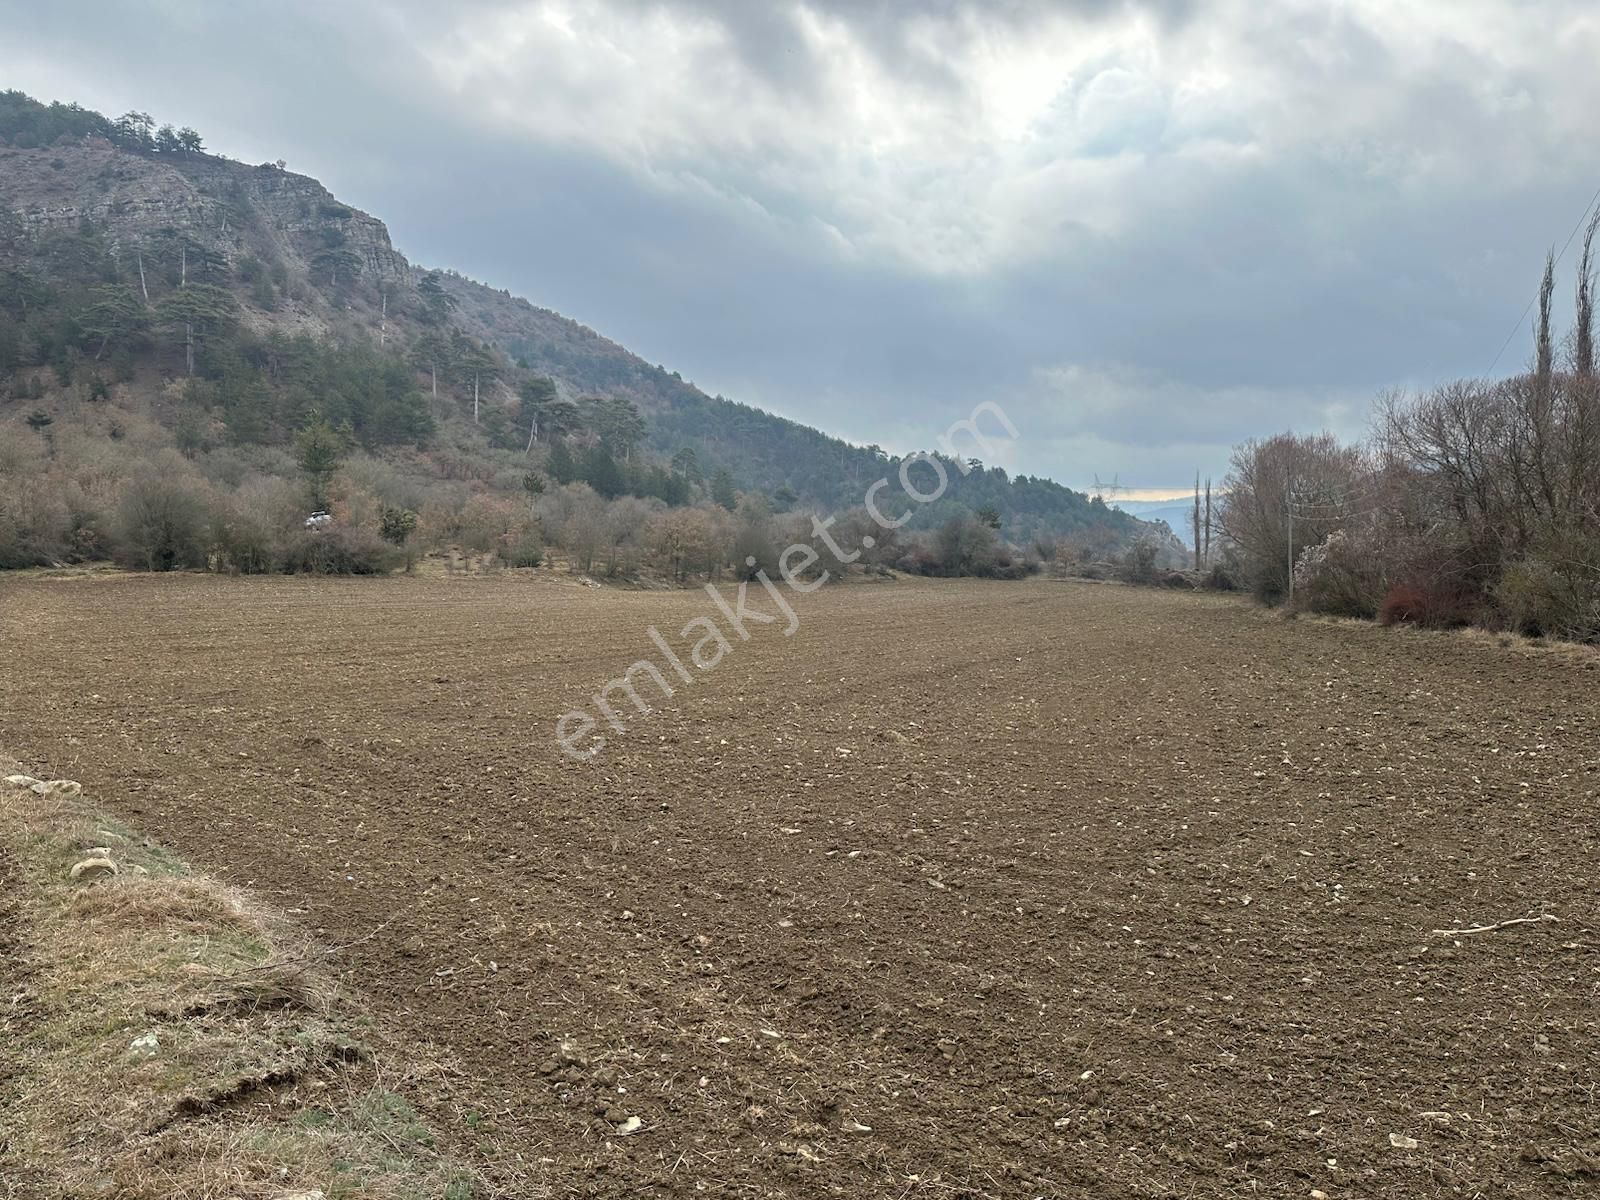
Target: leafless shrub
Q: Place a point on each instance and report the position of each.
(1286, 494)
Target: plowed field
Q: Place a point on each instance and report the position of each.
(963, 890)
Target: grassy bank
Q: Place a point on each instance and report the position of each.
(161, 1036)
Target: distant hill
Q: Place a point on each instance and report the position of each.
(1176, 514)
(767, 452)
(133, 262)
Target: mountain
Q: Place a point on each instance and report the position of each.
(230, 306)
(1177, 514)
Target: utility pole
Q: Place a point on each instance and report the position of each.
(1288, 505)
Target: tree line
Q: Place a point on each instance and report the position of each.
(27, 124)
(243, 432)
(1476, 502)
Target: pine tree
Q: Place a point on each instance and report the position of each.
(600, 471)
(437, 304)
(320, 448)
(395, 524)
(536, 396)
(430, 352)
(475, 365)
(686, 465)
(618, 422)
(112, 316)
(560, 464)
(200, 311)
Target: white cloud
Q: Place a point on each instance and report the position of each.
(994, 133)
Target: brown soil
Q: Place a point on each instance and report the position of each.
(966, 890)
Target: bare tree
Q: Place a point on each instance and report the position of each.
(1286, 493)
(626, 522)
(586, 528)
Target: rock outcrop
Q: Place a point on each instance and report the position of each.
(223, 208)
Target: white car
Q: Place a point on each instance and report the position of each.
(319, 520)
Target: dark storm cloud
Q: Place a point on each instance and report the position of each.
(1149, 229)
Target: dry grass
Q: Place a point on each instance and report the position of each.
(1577, 653)
(167, 1039)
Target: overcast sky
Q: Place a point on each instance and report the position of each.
(1148, 230)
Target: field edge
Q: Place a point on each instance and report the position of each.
(169, 1036)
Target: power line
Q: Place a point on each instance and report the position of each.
(1333, 495)
(1354, 500)
(1334, 492)
(1349, 503)
(1532, 299)
(1333, 511)
(1334, 518)
(1351, 485)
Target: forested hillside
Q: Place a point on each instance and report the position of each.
(194, 352)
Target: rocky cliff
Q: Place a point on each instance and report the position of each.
(227, 206)
(202, 217)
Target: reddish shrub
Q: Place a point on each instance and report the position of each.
(1430, 605)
